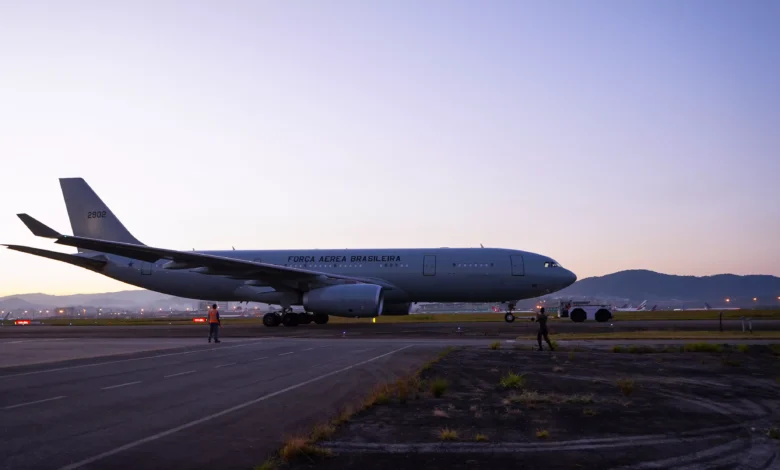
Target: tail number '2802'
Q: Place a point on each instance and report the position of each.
(96, 214)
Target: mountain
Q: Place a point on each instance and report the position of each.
(129, 299)
(643, 284)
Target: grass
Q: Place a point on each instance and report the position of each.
(664, 334)
(322, 431)
(571, 356)
(448, 434)
(495, 345)
(589, 412)
(542, 433)
(773, 433)
(480, 438)
(439, 386)
(512, 380)
(743, 348)
(703, 347)
(626, 386)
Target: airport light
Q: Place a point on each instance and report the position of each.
(754, 299)
(728, 300)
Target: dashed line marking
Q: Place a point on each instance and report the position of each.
(284, 354)
(259, 359)
(225, 365)
(121, 385)
(180, 373)
(308, 349)
(32, 402)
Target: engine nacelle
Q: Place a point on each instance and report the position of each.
(397, 309)
(346, 300)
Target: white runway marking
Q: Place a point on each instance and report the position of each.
(284, 354)
(32, 402)
(124, 360)
(259, 359)
(160, 435)
(225, 365)
(180, 373)
(120, 385)
(308, 349)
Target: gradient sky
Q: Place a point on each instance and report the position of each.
(609, 135)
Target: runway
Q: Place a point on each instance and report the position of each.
(225, 405)
(369, 330)
(94, 403)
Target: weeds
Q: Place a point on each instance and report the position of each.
(743, 348)
(495, 345)
(617, 349)
(270, 464)
(481, 438)
(542, 433)
(571, 356)
(589, 412)
(298, 447)
(626, 386)
(512, 380)
(439, 386)
(730, 362)
(554, 344)
(773, 433)
(634, 349)
(448, 434)
(322, 431)
(530, 397)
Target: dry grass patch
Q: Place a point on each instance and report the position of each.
(296, 447)
(448, 434)
(480, 438)
(512, 380)
(542, 433)
(626, 386)
(495, 345)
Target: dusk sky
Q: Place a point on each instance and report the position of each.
(608, 135)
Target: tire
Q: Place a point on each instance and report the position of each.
(304, 318)
(509, 318)
(320, 318)
(603, 315)
(290, 319)
(271, 319)
(578, 315)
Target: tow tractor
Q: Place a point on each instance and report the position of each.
(581, 310)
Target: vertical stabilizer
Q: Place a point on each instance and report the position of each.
(89, 215)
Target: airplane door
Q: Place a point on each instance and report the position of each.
(518, 268)
(146, 268)
(429, 265)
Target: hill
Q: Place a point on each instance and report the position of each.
(643, 284)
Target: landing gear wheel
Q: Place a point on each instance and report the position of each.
(509, 318)
(320, 318)
(304, 318)
(290, 319)
(271, 319)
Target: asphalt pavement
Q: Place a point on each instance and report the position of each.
(226, 405)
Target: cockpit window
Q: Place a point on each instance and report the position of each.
(551, 264)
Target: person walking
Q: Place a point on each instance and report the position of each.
(215, 323)
(541, 318)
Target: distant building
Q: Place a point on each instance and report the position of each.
(65, 311)
(204, 305)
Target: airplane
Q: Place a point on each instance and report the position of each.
(706, 307)
(641, 308)
(340, 282)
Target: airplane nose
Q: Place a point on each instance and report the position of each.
(570, 277)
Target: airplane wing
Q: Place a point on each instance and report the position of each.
(80, 261)
(203, 263)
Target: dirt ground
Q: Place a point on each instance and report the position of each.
(573, 410)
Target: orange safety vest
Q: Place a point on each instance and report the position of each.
(213, 316)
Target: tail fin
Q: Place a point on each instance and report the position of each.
(642, 305)
(89, 215)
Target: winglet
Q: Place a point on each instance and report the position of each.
(37, 228)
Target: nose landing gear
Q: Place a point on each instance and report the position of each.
(509, 317)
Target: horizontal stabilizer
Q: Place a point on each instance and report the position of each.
(80, 261)
(38, 228)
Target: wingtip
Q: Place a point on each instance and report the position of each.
(38, 228)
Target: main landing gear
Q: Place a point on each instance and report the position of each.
(290, 318)
(509, 317)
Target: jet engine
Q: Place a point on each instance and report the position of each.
(346, 300)
(397, 309)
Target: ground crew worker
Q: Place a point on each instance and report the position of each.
(541, 318)
(215, 323)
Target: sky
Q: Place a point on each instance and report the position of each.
(609, 135)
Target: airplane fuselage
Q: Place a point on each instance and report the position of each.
(417, 275)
